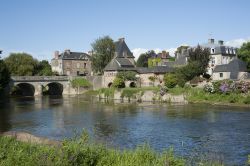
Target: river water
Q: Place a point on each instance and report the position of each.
(194, 130)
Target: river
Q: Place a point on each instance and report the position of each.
(194, 130)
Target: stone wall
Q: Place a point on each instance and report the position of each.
(147, 96)
(73, 67)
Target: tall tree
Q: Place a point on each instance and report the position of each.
(244, 54)
(4, 75)
(43, 68)
(103, 52)
(200, 57)
(21, 64)
(143, 58)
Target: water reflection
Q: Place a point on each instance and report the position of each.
(216, 132)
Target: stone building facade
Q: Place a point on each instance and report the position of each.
(124, 61)
(71, 63)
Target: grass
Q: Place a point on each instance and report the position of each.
(198, 95)
(81, 152)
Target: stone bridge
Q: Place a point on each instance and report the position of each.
(54, 85)
(35, 85)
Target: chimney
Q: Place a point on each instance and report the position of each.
(221, 42)
(67, 51)
(56, 54)
(122, 39)
(211, 41)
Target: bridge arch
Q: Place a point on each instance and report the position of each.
(110, 85)
(53, 88)
(132, 84)
(23, 89)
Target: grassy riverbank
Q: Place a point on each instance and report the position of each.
(193, 95)
(79, 152)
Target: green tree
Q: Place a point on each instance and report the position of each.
(170, 80)
(152, 79)
(21, 64)
(4, 75)
(43, 68)
(143, 59)
(244, 54)
(118, 83)
(103, 52)
(200, 57)
(127, 75)
(80, 82)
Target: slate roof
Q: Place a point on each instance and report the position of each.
(235, 65)
(219, 49)
(121, 48)
(73, 55)
(118, 64)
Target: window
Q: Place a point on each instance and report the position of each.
(85, 64)
(213, 60)
(78, 73)
(226, 51)
(221, 74)
(78, 65)
(212, 51)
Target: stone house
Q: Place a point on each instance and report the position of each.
(219, 55)
(236, 70)
(71, 63)
(124, 61)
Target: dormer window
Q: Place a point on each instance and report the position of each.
(226, 51)
(125, 54)
(212, 50)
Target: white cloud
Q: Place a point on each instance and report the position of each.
(237, 42)
(138, 51)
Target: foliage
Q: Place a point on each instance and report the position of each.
(118, 83)
(209, 88)
(143, 59)
(247, 100)
(127, 75)
(153, 62)
(80, 82)
(103, 52)
(152, 79)
(228, 86)
(170, 80)
(81, 151)
(43, 68)
(201, 57)
(129, 93)
(21, 64)
(244, 54)
(4, 75)
(108, 92)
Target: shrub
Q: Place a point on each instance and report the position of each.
(209, 88)
(127, 75)
(247, 100)
(170, 80)
(152, 79)
(224, 88)
(118, 83)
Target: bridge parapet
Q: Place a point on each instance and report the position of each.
(39, 78)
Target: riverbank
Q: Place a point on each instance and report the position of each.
(174, 95)
(81, 151)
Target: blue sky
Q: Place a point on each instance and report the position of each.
(40, 27)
